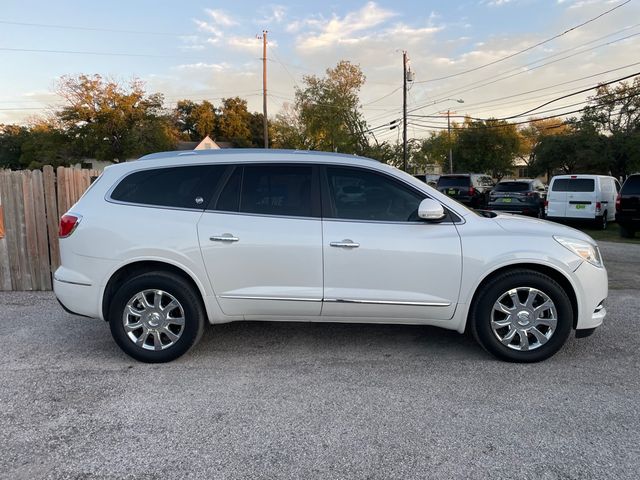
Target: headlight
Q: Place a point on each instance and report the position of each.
(585, 250)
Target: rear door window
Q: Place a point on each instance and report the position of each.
(631, 186)
(512, 187)
(285, 190)
(177, 187)
(461, 181)
(573, 185)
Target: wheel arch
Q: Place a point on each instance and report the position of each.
(554, 273)
(143, 266)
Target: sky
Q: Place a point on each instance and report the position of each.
(209, 50)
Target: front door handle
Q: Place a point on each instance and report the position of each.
(345, 244)
(225, 237)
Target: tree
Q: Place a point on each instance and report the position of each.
(12, 138)
(534, 132)
(486, 147)
(287, 130)
(615, 113)
(234, 122)
(328, 109)
(579, 151)
(195, 120)
(109, 121)
(433, 150)
(47, 144)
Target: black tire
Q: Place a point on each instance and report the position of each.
(182, 291)
(480, 316)
(626, 232)
(601, 222)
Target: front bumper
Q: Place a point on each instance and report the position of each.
(592, 290)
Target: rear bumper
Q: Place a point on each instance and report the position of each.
(76, 295)
(526, 209)
(628, 219)
(574, 220)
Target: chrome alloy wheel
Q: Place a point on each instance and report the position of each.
(153, 319)
(524, 318)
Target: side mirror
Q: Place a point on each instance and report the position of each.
(431, 210)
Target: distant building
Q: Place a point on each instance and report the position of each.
(205, 144)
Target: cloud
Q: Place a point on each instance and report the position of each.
(216, 67)
(220, 18)
(496, 3)
(344, 30)
(251, 44)
(275, 14)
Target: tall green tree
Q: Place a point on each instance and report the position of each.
(615, 113)
(234, 122)
(110, 121)
(434, 150)
(328, 108)
(195, 120)
(581, 150)
(486, 147)
(12, 137)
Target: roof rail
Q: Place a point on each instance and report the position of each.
(239, 151)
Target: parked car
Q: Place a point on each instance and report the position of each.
(472, 189)
(160, 246)
(523, 196)
(628, 206)
(582, 198)
(429, 178)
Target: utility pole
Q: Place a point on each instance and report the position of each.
(404, 110)
(449, 132)
(264, 89)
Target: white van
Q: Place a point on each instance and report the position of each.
(582, 197)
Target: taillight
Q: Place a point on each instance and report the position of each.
(618, 203)
(472, 191)
(598, 207)
(546, 204)
(68, 224)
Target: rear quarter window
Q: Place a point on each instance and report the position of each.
(177, 187)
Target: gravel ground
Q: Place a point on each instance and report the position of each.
(293, 400)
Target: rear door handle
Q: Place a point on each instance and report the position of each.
(225, 237)
(345, 244)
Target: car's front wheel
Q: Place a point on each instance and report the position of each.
(156, 317)
(521, 316)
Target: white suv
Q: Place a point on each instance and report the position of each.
(162, 245)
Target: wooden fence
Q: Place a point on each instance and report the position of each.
(31, 203)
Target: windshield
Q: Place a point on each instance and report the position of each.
(512, 187)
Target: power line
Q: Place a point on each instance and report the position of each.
(93, 29)
(86, 52)
(553, 100)
(544, 88)
(531, 47)
(525, 68)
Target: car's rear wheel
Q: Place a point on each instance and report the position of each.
(602, 222)
(521, 316)
(156, 317)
